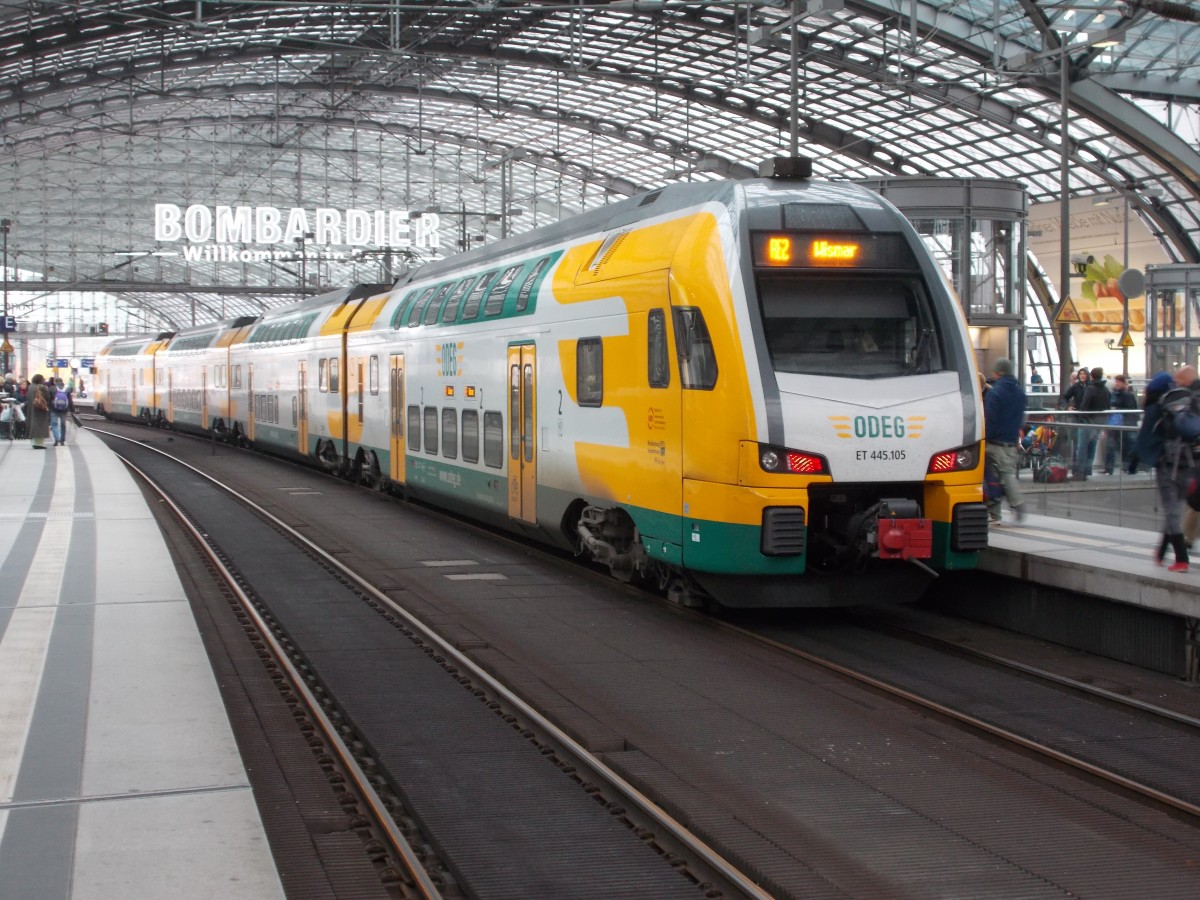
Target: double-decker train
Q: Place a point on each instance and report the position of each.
(760, 392)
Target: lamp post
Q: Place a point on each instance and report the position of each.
(5, 225)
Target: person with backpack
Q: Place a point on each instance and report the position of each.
(1003, 414)
(60, 407)
(1170, 426)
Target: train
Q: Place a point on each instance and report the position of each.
(748, 393)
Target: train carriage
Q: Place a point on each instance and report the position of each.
(126, 382)
(759, 392)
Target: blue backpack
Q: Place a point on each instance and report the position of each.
(61, 401)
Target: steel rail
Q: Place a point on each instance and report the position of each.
(403, 850)
(975, 723)
(583, 758)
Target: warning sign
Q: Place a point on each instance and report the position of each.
(1067, 314)
(1126, 340)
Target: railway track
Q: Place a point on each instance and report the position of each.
(699, 869)
(785, 858)
(1130, 744)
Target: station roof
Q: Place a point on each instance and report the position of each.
(506, 114)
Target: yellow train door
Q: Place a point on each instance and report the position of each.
(396, 407)
(522, 420)
(302, 409)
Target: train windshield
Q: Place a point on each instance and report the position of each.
(856, 326)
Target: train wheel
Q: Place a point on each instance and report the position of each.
(369, 473)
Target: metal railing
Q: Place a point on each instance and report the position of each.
(1082, 473)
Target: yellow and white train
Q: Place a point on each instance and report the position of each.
(757, 391)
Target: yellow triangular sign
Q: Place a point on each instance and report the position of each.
(1126, 339)
(1067, 313)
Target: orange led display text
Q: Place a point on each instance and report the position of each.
(833, 252)
(779, 250)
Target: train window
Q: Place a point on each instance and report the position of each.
(514, 412)
(471, 304)
(333, 376)
(435, 305)
(450, 433)
(470, 435)
(414, 314)
(237, 377)
(495, 298)
(493, 439)
(431, 430)
(450, 308)
(589, 371)
(322, 376)
(414, 428)
(295, 416)
(658, 359)
(373, 375)
(693, 346)
(860, 327)
(527, 286)
(398, 317)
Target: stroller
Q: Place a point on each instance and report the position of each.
(1047, 465)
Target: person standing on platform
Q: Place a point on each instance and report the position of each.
(1160, 445)
(1003, 414)
(1095, 401)
(39, 402)
(1117, 443)
(61, 407)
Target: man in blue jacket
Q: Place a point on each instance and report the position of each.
(1003, 414)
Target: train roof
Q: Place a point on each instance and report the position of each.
(752, 194)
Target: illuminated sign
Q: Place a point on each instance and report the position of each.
(823, 251)
(212, 233)
(779, 249)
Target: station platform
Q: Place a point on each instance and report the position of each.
(1108, 561)
(119, 774)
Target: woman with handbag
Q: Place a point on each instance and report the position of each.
(37, 411)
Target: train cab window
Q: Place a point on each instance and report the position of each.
(333, 376)
(373, 375)
(450, 307)
(470, 435)
(589, 372)
(693, 346)
(850, 327)
(658, 359)
(450, 433)
(418, 308)
(431, 430)
(322, 375)
(495, 298)
(435, 305)
(493, 439)
(530, 282)
(471, 305)
(414, 428)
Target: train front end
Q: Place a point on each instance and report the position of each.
(864, 472)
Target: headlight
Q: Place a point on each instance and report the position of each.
(791, 462)
(962, 459)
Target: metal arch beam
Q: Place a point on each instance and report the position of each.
(1149, 86)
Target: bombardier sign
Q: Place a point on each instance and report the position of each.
(213, 232)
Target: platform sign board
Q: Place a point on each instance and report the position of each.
(62, 362)
(8, 324)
